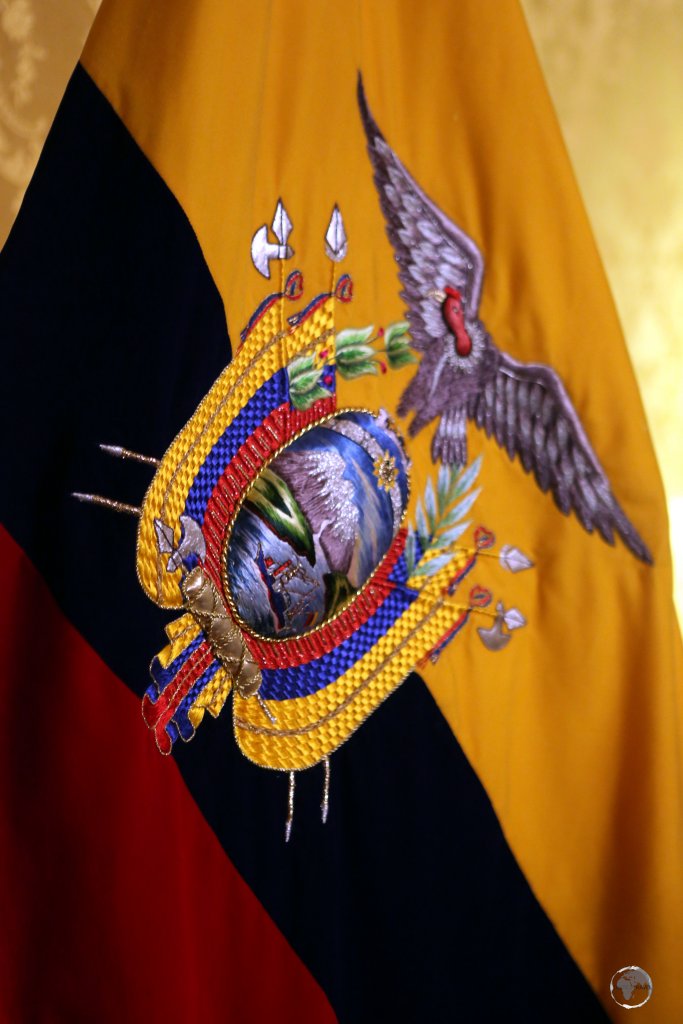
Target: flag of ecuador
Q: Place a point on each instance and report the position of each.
(304, 294)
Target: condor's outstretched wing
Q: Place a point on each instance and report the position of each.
(431, 251)
(526, 408)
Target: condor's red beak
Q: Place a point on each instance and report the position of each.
(454, 317)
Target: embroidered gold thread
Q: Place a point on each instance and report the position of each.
(249, 356)
(125, 453)
(116, 506)
(325, 805)
(290, 808)
(265, 731)
(179, 639)
(263, 341)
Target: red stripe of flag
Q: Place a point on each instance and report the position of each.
(90, 816)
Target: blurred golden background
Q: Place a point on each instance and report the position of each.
(615, 73)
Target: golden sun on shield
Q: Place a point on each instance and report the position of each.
(385, 470)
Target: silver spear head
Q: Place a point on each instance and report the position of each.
(336, 243)
(282, 225)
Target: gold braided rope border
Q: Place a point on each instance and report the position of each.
(225, 396)
(312, 727)
(265, 351)
(212, 698)
(180, 632)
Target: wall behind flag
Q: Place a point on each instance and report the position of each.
(40, 41)
(614, 72)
